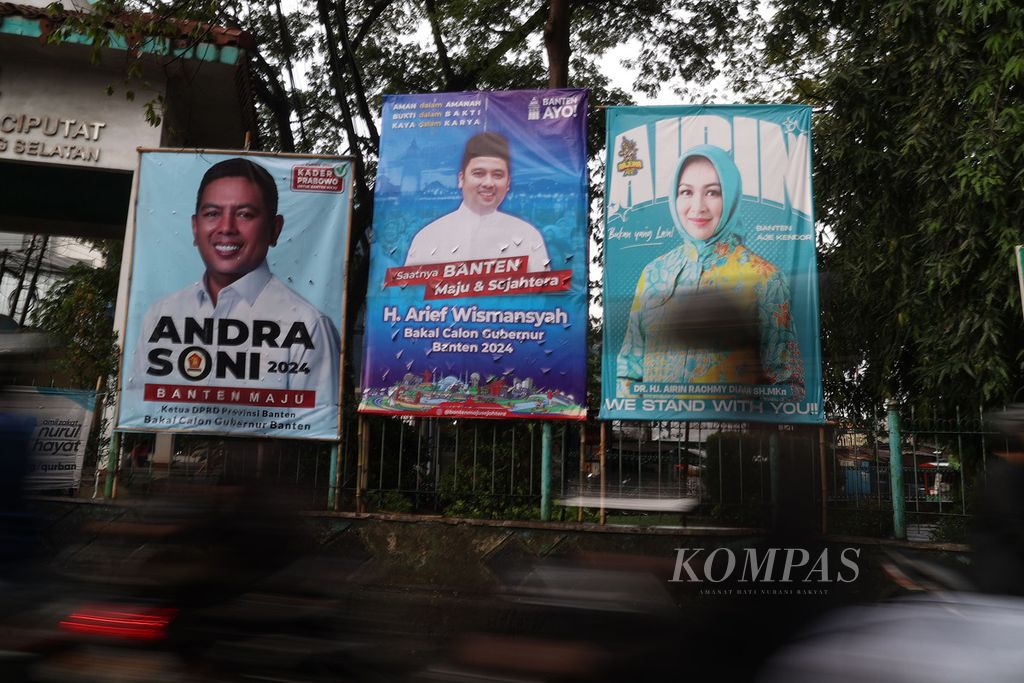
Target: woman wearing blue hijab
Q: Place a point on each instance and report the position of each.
(710, 311)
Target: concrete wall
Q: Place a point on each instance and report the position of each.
(434, 554)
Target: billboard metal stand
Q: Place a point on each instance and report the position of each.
(899, 522)
(338, 449)
(604, 479)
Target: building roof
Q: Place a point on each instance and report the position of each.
(195, 40)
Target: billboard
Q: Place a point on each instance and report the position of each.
(51, 427)
(477, 289)
(236, 297)
(710, 277)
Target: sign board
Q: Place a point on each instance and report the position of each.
(236, 296)
(710, 278)
(57, 424)
(477, 303)
(48, 117)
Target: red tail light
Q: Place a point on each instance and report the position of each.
(121, 621)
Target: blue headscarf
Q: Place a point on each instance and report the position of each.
(728, 229)
(681, 268)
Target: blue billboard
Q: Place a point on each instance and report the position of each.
(477, 302)
(236, 296)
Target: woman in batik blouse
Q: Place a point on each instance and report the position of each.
(710, 311)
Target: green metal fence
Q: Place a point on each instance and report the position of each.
(835, 477)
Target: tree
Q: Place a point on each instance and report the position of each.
(918, 150)
(79, 311)
(358, 50)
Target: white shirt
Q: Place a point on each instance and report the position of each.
(463, 235)
(257, 296)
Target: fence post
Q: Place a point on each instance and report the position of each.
(899, 522)
(773, 470)
(545, 471)
(824, 481)
(582, 475)
(602, 515)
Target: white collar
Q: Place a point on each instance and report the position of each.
(248, 287)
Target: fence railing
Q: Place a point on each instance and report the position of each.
(737, 473)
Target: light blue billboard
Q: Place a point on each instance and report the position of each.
(477, 302)
(235, 304)
(710, 275)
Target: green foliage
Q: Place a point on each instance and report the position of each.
(952, 529)
(79, 311)
(389, 501)
(352, 52)
(919, 142)
(869, 518)
(464, 491)
(136, 32)
(919, 138)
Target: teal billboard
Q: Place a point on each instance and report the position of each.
(710, 277)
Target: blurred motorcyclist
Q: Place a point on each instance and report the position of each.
(998, 535)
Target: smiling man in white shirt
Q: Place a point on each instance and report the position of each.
(239, 326)
(477, 230)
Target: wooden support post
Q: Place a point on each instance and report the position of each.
(113, 464)
(334, 478)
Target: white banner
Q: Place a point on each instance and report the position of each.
(59, 421)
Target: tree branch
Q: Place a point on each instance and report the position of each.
(358, 261)
(272, 94)
(357, 78)
(336, 70)
(513, 39)
(371, 18)
(442, 49)
(289, 51)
